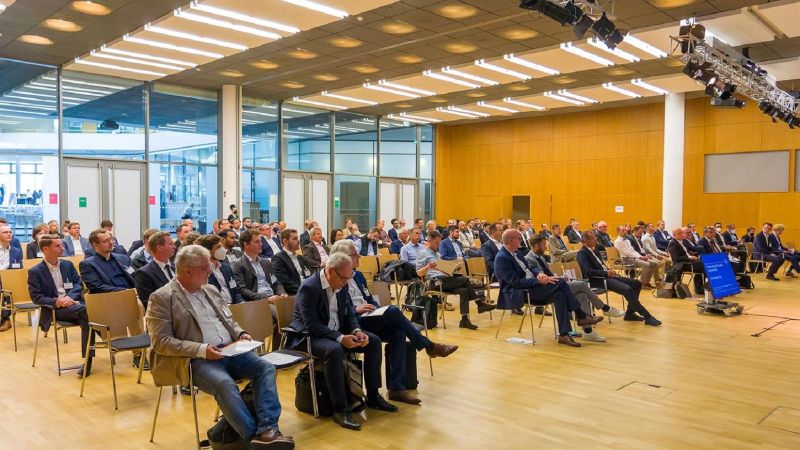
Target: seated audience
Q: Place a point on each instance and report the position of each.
(685, 258)
(290, 269)
(316, 252)
(179, 340)
(450, 247)
(107, 225)
(573, 232)
(764, 248)
(323, 309)
(394, 232)
(601, 233)
(750, 235)
(181, 233)
(636, 237)
(600, 276)
(53, 228)
(10, 258)
(141, 256)
(788, 253)
(661, 236)
(709, 244)
(229, 242)
(411, 249)
(558, 249)
(305, 237)
(32, 249)
(368, 245)
(221, 274)
(397, 244)
(545, 231)
(159, 271)
(74, 243)
(490, 248)
(729, 236)
(693, 236)
(383, 236)
(633, 258)
(429, 226)
(650, 244)
(105, 271)
(336, 235)
(270, 245)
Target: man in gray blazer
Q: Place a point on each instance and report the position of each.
(558, 249)
(189, 323)
(74, 243)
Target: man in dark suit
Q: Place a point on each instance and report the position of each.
(764, 249)
(516, 276)
(450, 248)
(684, 259)
(394, 232)
(109, 226)
(324, 310)
(106, 271)
(729, 236)
(602, 238)
(316, 252)
(368, 245)
(270, 245)
(573, 232)
(229, 242)
(593, 268)
(397, 244)
(305, 237)
(10, 258)
(710, 244)
(661, 236)
(157, 272)
(54, 284)
(290, 269)
(690, 245)
(692, 236)
(74, 243)
(490, 248)
(788, 254)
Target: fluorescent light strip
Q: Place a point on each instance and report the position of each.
(312, 130)
(243, 17)
(498, 108)
(597, 43)
(324, 105)
(26, 105)
(469, 76)
(407, 119)
(511, 73)
(86, 83)
(137, 61)
(259, 113)
(88, 94)
(620, 90)
(178, 62)
(390, 90)
(30, 99)
(314, 6)
(349, 99)
(644, 46)
(457, 113)
(16, 111)
(531, 65)
(404, 115)
(644, 85)
(568, 47)
(76, 90)
(563, 99)
(120, 68)
(9, 122)
(438, 76)
(177, 48)
(511, 101)
(467, 111)
(225, 24)
(577, 97)
(352, 130)
(406, 88)
(297, 111)
(194, 37)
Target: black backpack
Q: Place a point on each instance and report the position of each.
(222, 436)
(419, 303)
(745, 282)
(405, 271)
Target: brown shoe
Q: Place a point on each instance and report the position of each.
(449, 306)
(567, 340)
(590, 320)
(441, 350)
(272, 439)
(404, 397)
(6, 325)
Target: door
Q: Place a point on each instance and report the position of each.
(306, 195)
(398, 199)
(114, 190)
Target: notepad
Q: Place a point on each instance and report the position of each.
(376, 312)
(239, 347)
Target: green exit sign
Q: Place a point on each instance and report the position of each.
(81, 202)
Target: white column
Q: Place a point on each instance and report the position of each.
(229, 155)
(672, 182)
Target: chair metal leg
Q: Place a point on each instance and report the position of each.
(312, 378)
(58, 352)
(194, 407)
(522, 322)
(89, 349)
(142, 362)
(66, 338)
(533, 337)
(36, 346)
(500, 324)
(113, 374)
(544, 313)
(155, 415)
(425, 324)
(14, 326)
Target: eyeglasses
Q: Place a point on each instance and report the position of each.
(355, 255)
(340, 275)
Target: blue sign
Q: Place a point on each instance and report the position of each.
(720, 275)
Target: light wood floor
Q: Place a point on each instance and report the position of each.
(716, 384)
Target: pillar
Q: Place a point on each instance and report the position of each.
(229, 154)
(672, 181)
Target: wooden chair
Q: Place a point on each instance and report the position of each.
(476, 243)
(75, 260)
(383, 259)
(58, 325)
(117, 317)
(383, 251)
(15, 289)
(285, 309)
(368, 265)
(28, 263)
(760, 262)
(437, 292)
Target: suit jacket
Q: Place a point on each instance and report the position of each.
(312, 312)
(535, 261)
(730, 238)
(447, 249)
(775, 244)
(305, 238)
(662, 239)
(489, 252)
(175, 331)
(32, 250)
(483, 236)
(43, 289)
(286, 273)
(572, 236)
(677, 253)
(748, 238)
(397, 244)
(558, 252)
(604, 240)
(14, 257)
(227, 274)
(69, 249)
(392, 233)
(247, 281)
(365, 242)
(148, 279)
(139, 259)
(361, 283)
(313, 257)
(266, 250)
(691, 247)
(513, 283)
(137, 244)
(98, 281)
(591, 268)
(545, 234)
(119, 249)
(705, 246)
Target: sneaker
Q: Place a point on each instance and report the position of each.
(593, 336)
(613, 312)
(575, 334)
(465, 323)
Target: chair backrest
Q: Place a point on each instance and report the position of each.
(383, 259)
(16, 282)
(254, 317)
(381, 290)
(285, 309)
(477, 266)
(557, 268)
(476, 242)
(117, 310)
(749, 247)
(75, 260)
(368, 265)
(28, 263)
(383, 251)
(575, 246)
(574, 267)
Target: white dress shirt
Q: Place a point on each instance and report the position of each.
(76, 244)
(214, 331)
(5, 257)
(55, 272)
(625, 248)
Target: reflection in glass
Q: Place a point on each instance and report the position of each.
(426, 152)
(356, 143)
(398, 150)
(308, 141)
(260, 160)
(357, 201)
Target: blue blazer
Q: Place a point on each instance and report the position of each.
(14, 257)
(447, 250)
(266, 250)
(513, 283)
(361, 282)
(149, 279)
(227, 274)
(705, 246)
(15, 243)
(776, 246)
(397, 244)
(98, 281)
(43, 289)
(762, 246)
(312, 313)
(489, 252)
(692, 247)
(392, 234)
(661, 240)
(69, 250)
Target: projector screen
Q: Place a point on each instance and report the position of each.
(747, 172)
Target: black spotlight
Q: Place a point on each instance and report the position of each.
(765, 106)
(603, 27)
(109, 124)
(615, 38)
(687, 32)
(582, 26)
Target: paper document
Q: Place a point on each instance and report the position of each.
(519, 340)
(376, 312)
(239, 347)
(281, 359)
(449, 267)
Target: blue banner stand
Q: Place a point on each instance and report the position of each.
(721, 284)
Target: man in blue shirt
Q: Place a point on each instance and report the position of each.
(409, 251)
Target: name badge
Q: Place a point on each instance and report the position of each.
(39, 255)
(306, 273)
(67, 285)
(232, 283)
(15, 265)
(130, 270)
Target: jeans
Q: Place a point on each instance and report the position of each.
(217, 378)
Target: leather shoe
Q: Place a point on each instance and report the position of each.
(787, 274)
(567, 340)
(5, 325)
(485, 307)
(773, 278)
(346, 420)
(465, 323)
(652, 321)
(439, 351)
(590, 320)
(82, 373)
(517, 312)
(185, 390)
(540, 310)
(272, 439)
(404, 396)
(633, 317)
(449, 306)
(381, 404)
(137, 359)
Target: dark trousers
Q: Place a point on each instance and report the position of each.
(332, 355)
(698, 278)
(564, 303)
(5, 314)
(393, 328)
(794, 260)
(776, 261)
(77, 313)
(630, 289)
(462, 287)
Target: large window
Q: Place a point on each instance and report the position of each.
(356, 144)
(308, 138)
(357, 201)
(28, 146)
(183, 153)
(426, 152)
(260, 160)
(398, 151)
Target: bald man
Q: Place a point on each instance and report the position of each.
(684, 258)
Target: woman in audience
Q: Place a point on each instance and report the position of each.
(32, 251)
(336, 235)
(221, 274)
(348, 222)
(750, 235)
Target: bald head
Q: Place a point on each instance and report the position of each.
(512, 239)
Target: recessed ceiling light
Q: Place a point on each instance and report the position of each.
(564, 80)
(299, 53)
(35, 39)
(404, 105)
(231, 73)
(437, 100)
(476, 94)
(519, 34)
(460, 47)
(619, 71)
(345, 42)
(62, 25)
(293, 85)
(91, 8)
(397, 27)
(669, 4)
(325, 77)
(364, 68)
(644, 46)
(409, 59)
(457, 11)
(264, 64)
(519, 87)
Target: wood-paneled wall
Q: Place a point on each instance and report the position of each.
(585, 164)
